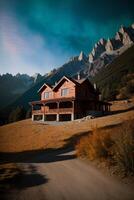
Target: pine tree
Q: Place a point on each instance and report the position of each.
(18, 114)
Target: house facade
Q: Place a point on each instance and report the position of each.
(69, 99)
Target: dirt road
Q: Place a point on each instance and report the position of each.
(61, 176)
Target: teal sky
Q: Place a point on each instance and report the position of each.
(39, 35)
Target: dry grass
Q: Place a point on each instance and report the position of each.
(122, 104)
(95, 145)
(110, 144)
(123, 148)
(27, 135)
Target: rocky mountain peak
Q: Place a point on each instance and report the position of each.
(36, 77)
(124, 37)
(82, 56)
(122, 29)
(127, 39)
(119, 36)
(102, 41)
(98, 49)
(91, 57)
(96, 45)
(23, 76)
(109, 45)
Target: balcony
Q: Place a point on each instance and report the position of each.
(53, 111)
(37, 112)
(60, 110)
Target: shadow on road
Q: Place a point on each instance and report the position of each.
(14, 174)
(36, 156)
(43, 156)
(15, 177)
(20, 177)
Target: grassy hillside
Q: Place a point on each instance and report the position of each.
(26, 135)
(109, 78)
(11, 87)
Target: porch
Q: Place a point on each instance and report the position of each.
(67, 109)
(60, 110)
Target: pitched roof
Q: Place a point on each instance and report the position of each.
(45, 84)
(75, 81)
(64, 77)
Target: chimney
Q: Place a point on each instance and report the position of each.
(78, 76)
(95, 87)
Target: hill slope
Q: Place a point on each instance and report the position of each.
(16, 86)
(27, 135)
(109, 78)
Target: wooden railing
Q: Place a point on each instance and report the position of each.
(60, 110)
(53, 111)
(37, 112)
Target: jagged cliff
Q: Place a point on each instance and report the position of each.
(104, 52)
(123, 39)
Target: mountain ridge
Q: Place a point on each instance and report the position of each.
(17, 85)
(123, 37)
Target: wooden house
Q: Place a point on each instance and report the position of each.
(69, 99)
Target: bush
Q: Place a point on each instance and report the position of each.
(130, 87)
(17, 114)
(123, 148)
(127, 87)
(96, 145)
(114, 144)
(28, 114)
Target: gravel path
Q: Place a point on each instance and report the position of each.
(62, 177)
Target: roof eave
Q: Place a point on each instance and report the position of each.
(61, 80)
(45, 84)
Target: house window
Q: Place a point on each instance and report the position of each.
(47, 95)
(64, 92)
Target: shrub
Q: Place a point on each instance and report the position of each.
(130, 87)
(17, 114)
(127, 87)
(114, 144)
(123, 148)
(28, 114)
(96, 145)
(123, 94)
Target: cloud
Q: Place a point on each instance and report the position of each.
(37, 35)
(23, 51)
(62, 22)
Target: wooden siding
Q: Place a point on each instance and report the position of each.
(86, 91)
(47, 89)
(57, 94)
(66, 84)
